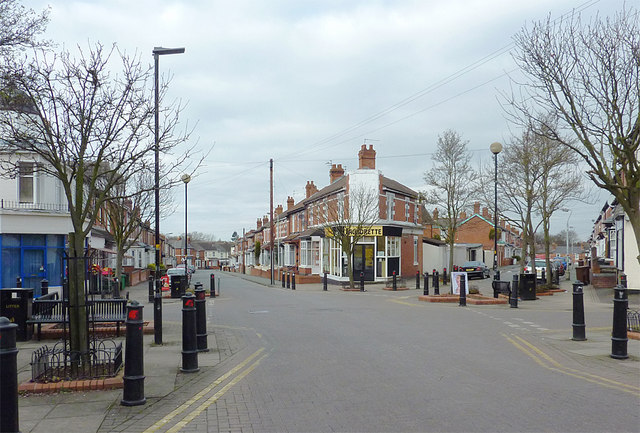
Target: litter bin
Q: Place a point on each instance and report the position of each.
(527, 287)
(16, 304)
(178, 285)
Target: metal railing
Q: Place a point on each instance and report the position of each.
(633, 321)
(49, 207)
(104, 359)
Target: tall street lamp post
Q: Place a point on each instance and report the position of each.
(185, 178)
(495, 148)
(157, 52)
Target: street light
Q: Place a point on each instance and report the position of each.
(495, 148)
(157, 301)
(185, 178)
(157, 52)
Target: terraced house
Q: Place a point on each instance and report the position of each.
(380, 216)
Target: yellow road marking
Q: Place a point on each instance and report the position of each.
(403, 303)
(549, 363)
(177, 411)
(193, 414)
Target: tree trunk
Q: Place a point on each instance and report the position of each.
(634, 220)
(118, 274)
(547, 252)
(451, 243)
(78, 324)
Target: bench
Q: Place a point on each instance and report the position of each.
(503, 287)
(98, 311)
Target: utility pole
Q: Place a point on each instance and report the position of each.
(271, 234)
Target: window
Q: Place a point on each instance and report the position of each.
(415, 250)
(26, 182)
(305, 253)
(391, 206)
(406, 208)
(393, 246)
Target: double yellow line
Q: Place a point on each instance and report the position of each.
(549, 363)
(211, 400)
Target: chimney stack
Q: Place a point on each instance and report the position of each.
(336, 172)
(278, 209)
(311, 189)
(367, 157)
(476, 208)
(290, 203)
(259, 224)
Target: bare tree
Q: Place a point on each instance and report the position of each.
(559, 182)
(130, 206)
(92, 128)
(587, 75)
(20, 26)
(453, 183)
(518, 177)
(349, 217)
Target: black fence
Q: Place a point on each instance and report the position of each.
(104, 359)
(633, 321)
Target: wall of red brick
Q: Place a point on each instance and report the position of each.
(407, 267)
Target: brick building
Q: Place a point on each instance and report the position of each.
(303, 242)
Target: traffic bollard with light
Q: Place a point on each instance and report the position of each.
(417, 280)
(426, 284)
(283, 279)
(578, 313)
(395, 283)
(9, 421)
(463, 293)
(513, 295)
(133, 379)
(436, 283)
(189, 343)
(293, 281)
(619, 333)
(288, 280)
(212, 285)
(201, 318)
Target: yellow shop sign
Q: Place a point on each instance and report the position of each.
(357, 231)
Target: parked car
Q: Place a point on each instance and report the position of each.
(176, 271)
(540, 264)
(475, 269)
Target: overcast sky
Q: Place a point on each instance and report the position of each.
(308, 82)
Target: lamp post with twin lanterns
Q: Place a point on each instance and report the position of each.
(495, 148)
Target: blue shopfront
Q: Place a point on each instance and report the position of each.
(32, 258)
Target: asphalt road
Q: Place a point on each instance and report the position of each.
(313, 361)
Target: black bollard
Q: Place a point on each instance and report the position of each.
(395, 283)
(157, 318)
(18, 282)
(463, 292)
(288, 280)
(212, 285)
(436, 283)
(44, 287)
(426, 284)
(496, 276)
(9, 421)
(619, 333)
(444, 276)
(133, 379)
(578, 313)
(293, 281)
(201, 318)
(513, 295)
(417, 280)
(189, 343)
(283, 278)
(324, 282)
(544, 275)
(362, 281)
(151, 290)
